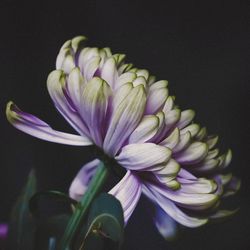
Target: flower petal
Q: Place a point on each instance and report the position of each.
(124, 119)
(145, 130)
(94, 107)
(193, 201)
(186, 117)
(166, 226)
(143, 156)
(193, 154)
(37, 128)
(56, 80)
(109, 72)
(128, 192)
(171, 209)
(157, 95)
(80, 183)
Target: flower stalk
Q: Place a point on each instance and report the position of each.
(78, 217)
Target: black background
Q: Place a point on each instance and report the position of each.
(200, 47)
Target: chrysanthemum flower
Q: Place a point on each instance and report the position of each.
(130, 116)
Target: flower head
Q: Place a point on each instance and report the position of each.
(133, 119)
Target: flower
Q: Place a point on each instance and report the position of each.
(133, 119)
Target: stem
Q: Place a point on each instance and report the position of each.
(78, 216)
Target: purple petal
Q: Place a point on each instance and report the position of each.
(4, 228)
(171, 209)
(166, 226)
(80, 183)
(34, 126)
(128, 192)
(186, 197)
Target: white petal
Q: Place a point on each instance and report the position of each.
(143, 156)
(56, 80)
(75, 86)
(109, 72)
(127, 77)
(91, 66)
(212, 140)
(193, 154)
(156, 98)
(193, 129)
(169, 104)
(183, 143)
(145, 130)
(172, 140)
(128, 192)
(186, 117)
(124, 120)
(34, 126)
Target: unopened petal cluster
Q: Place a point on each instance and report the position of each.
(133, 119)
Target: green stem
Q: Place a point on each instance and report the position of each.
(78, 216)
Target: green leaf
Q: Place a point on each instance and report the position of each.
(51, 194)
(105, 224)
(22, 225)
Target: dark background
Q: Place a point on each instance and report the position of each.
(200, 47)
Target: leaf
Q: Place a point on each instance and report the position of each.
(51, 194)
(22, 225)
(105, 224)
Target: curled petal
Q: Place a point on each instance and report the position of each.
(183, 143)
(145, 130)
(56, 80)
(171, 209)
(128, 192)
(109, 72)
(193, 154)
(186, 117)
(184, 197)
(193, 129)
(172, 140)
(34, 126)
(157, 96)
(80, 183)
(143, 156)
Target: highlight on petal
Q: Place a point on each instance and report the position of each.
(128, 192)
(34, 126)
(143, 156)
(80, 183)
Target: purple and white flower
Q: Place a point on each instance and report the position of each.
(130, 116)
